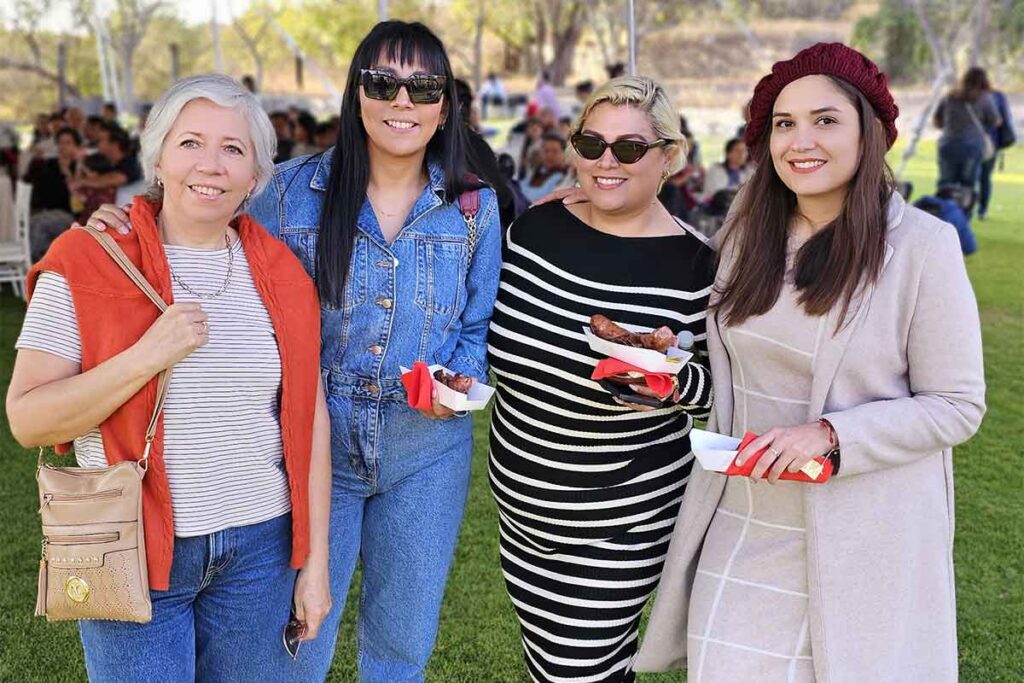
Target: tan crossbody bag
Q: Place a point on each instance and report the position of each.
(93, 564)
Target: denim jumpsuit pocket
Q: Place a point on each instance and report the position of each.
(441, 263)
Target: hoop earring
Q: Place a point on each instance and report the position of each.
(159, 183)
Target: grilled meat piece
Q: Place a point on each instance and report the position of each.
(661, 339)
(457, 382)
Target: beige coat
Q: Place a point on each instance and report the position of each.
(902, 383)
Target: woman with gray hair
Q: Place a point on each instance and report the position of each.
(587, 480)
(237, 494)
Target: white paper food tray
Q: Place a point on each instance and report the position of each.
(715, 452)
(477, 399)
(647, 359)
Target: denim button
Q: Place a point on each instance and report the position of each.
(372, 388)
(376, 350)
(384, 303)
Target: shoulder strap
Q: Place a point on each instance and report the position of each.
(469, 205)
(163, 380)
(974, 117)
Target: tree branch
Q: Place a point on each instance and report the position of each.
(7, 63)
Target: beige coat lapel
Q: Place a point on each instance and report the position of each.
(833, 347)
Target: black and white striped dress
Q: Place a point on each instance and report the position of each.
(587, 490)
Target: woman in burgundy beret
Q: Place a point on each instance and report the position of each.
(842, 326)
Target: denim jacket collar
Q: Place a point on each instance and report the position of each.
(322, 174)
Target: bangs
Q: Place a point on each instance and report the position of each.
(407, 46)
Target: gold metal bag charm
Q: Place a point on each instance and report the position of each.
(77, 589)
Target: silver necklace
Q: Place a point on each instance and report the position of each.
(227, 280)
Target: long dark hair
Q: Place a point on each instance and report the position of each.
(406, 43)
(973, 85)
(834, 263)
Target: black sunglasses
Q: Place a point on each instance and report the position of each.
(422, 88)
(626, 151)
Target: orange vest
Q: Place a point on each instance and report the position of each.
(113, 314)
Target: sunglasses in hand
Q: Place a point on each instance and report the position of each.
(592, 148)
(293, 633)
(382, 85)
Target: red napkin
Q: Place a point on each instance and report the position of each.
(748, 465)
(419, 385)
(658, 382)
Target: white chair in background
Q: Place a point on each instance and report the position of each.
(6, 207)
(16, 255)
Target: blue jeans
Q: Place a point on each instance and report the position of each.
(960, 161)
(397, 503)
(222, 618)
(985, 185)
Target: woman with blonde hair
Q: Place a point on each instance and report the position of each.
(588, 485)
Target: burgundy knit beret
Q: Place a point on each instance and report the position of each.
(829, 59)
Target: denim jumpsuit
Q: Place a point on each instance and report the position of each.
(400, 480)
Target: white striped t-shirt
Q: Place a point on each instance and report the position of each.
(222, 435)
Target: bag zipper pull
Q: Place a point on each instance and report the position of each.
(46, 501)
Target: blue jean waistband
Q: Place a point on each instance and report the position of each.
(384, 389)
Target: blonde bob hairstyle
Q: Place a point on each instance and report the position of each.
(223, 91)
(649, 97)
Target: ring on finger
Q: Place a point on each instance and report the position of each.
(774, 451)
(204, 327)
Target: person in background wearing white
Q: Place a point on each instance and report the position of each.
(551, 171)
(730, 173)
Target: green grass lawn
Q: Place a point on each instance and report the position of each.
(479, 642)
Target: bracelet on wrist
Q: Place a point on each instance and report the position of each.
(833, 438)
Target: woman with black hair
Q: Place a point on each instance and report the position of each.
(403, 276)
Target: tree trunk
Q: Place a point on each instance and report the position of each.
(982, 20)
(565, 51)
(605, 30)
(62, 81)
(478, 45)
(127, 103)
(541, 27)
(938, 50)
(565, 40)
